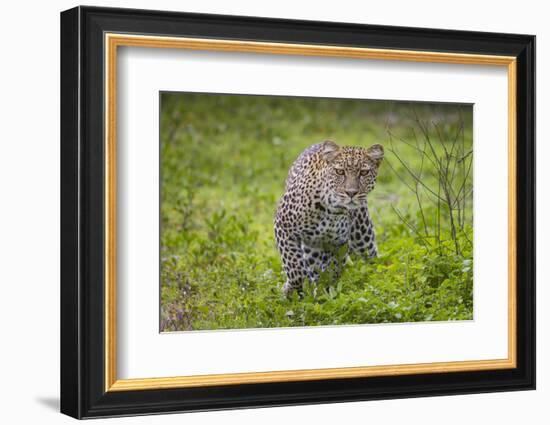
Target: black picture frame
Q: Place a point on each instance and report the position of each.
(83, 392)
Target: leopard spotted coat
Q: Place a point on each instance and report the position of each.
(324, 211)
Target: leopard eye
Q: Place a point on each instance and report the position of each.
(363, 173)
(339, 171)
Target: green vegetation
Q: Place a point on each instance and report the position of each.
(224, 160)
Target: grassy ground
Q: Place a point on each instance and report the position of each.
(224, 160)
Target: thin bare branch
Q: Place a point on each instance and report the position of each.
(410, 226)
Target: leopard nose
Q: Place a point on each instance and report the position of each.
(351, 192)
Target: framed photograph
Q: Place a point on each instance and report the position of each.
(261, 212)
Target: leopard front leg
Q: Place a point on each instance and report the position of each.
(292, 259)
(362, 239)
(319, 260)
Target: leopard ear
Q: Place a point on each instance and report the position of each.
(330, 150)
(376, 153)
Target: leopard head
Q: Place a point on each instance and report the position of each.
(349, 174)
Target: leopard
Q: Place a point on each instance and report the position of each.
(323, 215)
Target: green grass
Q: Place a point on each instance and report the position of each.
(224, 160)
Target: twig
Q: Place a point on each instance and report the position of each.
(410, 226)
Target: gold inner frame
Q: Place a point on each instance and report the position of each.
(113, 41)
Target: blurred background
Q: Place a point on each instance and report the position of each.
(224, 160)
